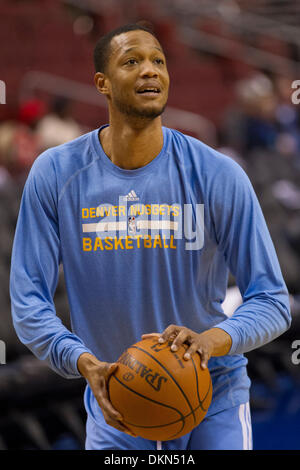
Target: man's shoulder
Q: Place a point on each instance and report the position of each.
(56, 166)
(66, 158)
(69, 149)
(195, 152)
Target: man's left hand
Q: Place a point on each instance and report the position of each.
(213, 342)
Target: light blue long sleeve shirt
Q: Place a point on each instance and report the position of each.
(142, 249)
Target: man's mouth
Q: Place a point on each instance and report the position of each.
(151, 91)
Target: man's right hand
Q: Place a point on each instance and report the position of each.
(97, 374)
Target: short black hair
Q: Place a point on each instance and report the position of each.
(102, 48)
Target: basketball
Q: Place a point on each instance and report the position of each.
(160, 395)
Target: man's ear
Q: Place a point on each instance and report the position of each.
(100, 81)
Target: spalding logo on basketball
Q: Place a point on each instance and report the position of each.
(160, 395)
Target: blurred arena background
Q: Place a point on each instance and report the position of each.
(232, 64)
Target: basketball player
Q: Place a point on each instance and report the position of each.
(195, 218)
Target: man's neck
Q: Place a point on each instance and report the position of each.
(132, 146)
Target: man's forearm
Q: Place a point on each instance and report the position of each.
(257, 321)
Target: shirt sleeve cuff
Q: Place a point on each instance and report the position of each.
(227, 326)
(74, 359)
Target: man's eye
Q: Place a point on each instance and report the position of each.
(159, 61)
(131, 61)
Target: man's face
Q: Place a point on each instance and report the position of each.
(137, 75)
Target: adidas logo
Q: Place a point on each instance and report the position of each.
(131, 196)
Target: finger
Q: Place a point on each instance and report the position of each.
(105, 403)
(204, 357)
(150, 335)
(104, 391)
(112, 368)
(182, 336)
(120, 427)
(190, 351)
(117, 425)
(113, 417)
(109, 369)
(170, 332)
(109, 410)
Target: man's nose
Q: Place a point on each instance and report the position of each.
(149, 69)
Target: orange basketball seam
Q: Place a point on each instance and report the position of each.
(210, 387)
(201, 401)
(147, 398)
(166, 370)
(164, 425)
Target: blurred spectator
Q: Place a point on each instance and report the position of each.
(31, 111)
(19, 143)
(58, 126)
(5, 178)
(250, 122)
(263, 117)
(261, 132)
